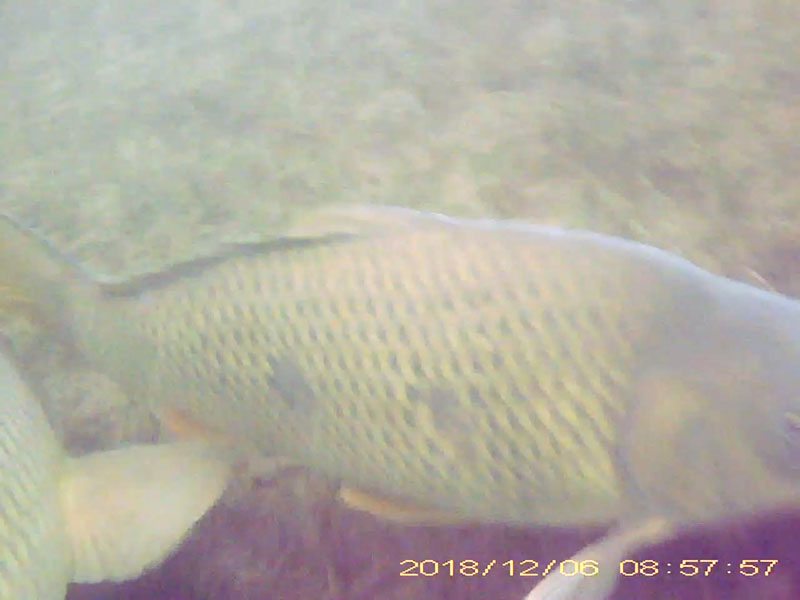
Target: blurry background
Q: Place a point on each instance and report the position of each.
(136, 133)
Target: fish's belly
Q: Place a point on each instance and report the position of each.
(505, 442)
(478, 431)
(473, 451)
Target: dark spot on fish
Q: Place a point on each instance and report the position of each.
(363, 335)
(219, 358)
(338, 385)
(431, 447)
(370, 436)
(339, 365)
(504, 326)
(416, 365)
(393, 362)
(224, 385)
(477, 365)
(448, 416)
(477, 400)
(549, 321)
(283, 314)
(402, 334)
(338, 410)
(409, 417)
(557, 387)
(497, 360)
(442, 403)
(494, 451)
(491, 419)
(288, 384)
(252, 357)
(282, 337)
(516, 455)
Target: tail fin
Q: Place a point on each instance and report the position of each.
(127, 509)
(32, 277)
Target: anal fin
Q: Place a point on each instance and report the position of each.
(394, 509)
(183, 426)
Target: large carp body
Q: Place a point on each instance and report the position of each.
(493, 371)
(504, 372)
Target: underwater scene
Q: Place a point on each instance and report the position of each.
(438, 300)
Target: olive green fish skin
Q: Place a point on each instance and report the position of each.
(498, 371)
(34, 561)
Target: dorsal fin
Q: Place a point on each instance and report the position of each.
(152, 280)
(362, 219)
(325, 225)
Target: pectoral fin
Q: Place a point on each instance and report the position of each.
(127, 509)
(395, 510)
(351, 219)
(607, 553)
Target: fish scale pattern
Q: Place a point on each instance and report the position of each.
(475, 369)
(33, 561)
(497, 370)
